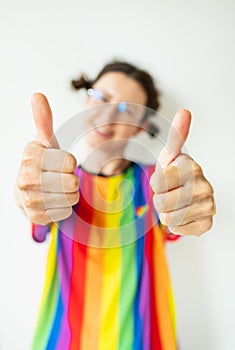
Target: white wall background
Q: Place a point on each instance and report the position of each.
(189, 46)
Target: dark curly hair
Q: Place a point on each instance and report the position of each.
(134, 72)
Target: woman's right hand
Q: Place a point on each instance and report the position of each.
(47, 187)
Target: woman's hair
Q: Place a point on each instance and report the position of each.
(134, 72)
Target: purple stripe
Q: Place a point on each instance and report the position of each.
(144, 306)
(65, 265)
(145, 178)
(145, 182)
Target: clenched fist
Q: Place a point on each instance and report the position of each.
(183, 197)
(47, 186)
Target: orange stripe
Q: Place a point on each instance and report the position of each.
(94, 273)
(92, 295)
(162, 287)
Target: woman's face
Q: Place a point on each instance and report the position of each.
(107, 122)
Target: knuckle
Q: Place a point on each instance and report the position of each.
(32, 162)
(171, 171)
(62, 214)
(26, 179)
(211, 205)
(197, 170)
(72, 198)
(207, 225)
(32, 149)
(28, 148)
(209, 188)
(184, 156)
(20, 183)
(203, 187)
(203, 226)
(75, 198)
(73, 183)
(23, 186)
(29, 201)
(172, 177)
(156, 203)
(26, 161)
(70, 182)
(159, 203)
(165, 218)
(23, 182)
(161, 180)
(70, 162)
(66, 213)
(36, 216)
(177, 230)
(153, 182)
(206, 188)
(210, 223)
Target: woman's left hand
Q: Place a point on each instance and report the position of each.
(182, 196)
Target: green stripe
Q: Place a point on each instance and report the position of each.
(128, 268)
(47, 313)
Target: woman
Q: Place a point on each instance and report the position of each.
(107, 283)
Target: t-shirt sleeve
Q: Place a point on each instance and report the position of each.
(40, 232)
(168, 235)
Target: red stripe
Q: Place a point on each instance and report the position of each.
(77, 294)
(155, 342)
(76, 304)
(154, 332)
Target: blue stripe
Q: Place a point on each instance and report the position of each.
(54, 335)
(138, 339)
(138, 200)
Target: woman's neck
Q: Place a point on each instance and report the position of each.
(114, 167)
(102, 163)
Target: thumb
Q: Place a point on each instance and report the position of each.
(176, 138)
(43, 120)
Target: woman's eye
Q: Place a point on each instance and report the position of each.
(101, 96)
(104, 99)
(97, 95)
(129, 112)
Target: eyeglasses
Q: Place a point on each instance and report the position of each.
(99, 96)
(128, 112)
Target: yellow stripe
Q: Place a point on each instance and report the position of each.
(109, 332)
(51, 264)
(172, 310)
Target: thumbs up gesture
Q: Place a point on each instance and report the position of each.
(47, 185)
(182, 195)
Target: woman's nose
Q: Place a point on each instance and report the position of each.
(108, 113)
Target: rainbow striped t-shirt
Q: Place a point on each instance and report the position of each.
(107, 284)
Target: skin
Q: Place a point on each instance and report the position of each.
(182, 195)
(108, 135)
(47, 187)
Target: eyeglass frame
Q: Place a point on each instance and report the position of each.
(122, 107)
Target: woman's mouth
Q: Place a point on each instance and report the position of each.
(103, 130)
